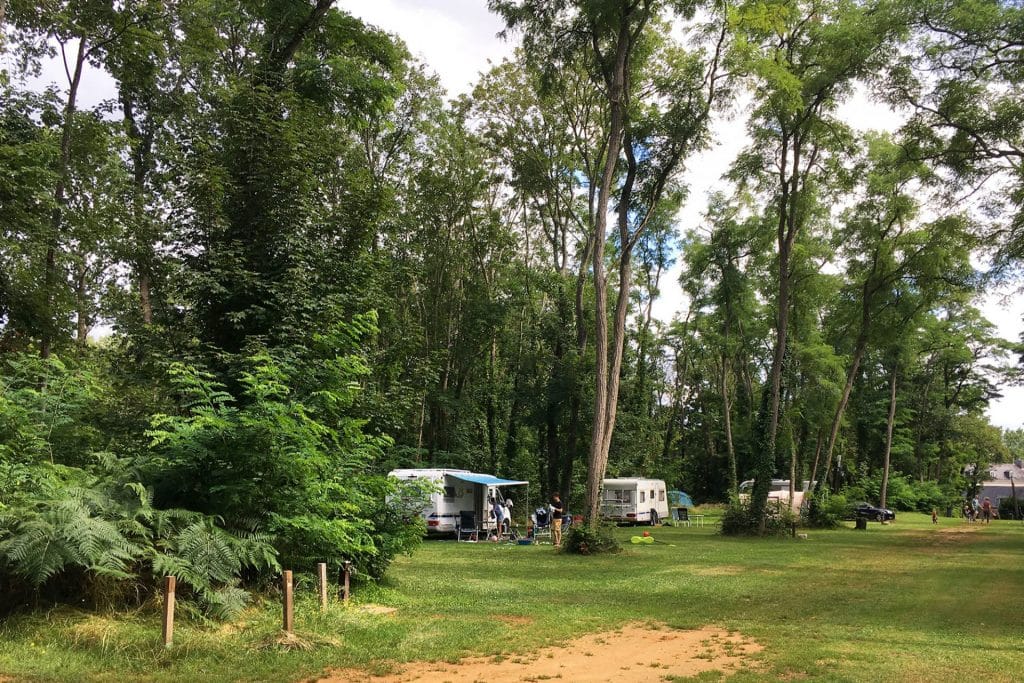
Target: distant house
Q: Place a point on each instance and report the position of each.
(997, 486)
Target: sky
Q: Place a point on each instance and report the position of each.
(458, 40)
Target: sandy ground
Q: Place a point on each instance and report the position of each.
(637, 653)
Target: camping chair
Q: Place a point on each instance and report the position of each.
(467, 526)
(541, 519)
(683, 516)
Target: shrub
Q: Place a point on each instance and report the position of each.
(583, 540)
(902, 493)
(1008, 508)
(739, 520)
(825, 511)
(98, 537)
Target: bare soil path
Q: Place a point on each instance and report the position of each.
(638, 653)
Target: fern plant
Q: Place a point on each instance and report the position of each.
(104, 530)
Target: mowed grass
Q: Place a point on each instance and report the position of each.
(902, 602)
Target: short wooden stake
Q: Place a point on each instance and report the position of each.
(321, 574)
(169, 585)
(286, 585)
(346, 573)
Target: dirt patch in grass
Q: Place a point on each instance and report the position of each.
(639, 653)
(722, 570)
(379, 610)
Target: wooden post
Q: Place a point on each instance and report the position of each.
(321, 574)
(286, 585)
(346, 573)
(169, 585)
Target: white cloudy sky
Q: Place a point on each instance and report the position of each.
(458, 39)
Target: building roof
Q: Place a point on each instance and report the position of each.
(1000, 473)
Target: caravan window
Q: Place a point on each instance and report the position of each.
(449, 491)
(641, 496)
(661, 495)
(652, 494)
(618, 495)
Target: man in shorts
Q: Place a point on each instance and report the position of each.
(557, 511)
(986, 511)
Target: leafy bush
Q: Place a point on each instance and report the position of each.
(583, 540)
(739, 520)
(285, 450)
(77, 524)
(1008, 507)
(80, 535)
(902, 493)
(826, 511)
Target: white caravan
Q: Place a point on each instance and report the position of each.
(456, 491)
(778, 493)
(634, 501)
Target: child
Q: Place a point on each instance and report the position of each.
(935, 516)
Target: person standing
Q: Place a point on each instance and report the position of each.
(986, 511)
(506, 522)
(557, 511)
(498, 512)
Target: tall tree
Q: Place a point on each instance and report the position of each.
(895, 263)
(634, 71)
(805, 57)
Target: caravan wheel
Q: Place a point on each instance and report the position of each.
(654, 518)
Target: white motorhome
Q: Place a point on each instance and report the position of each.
(456, 491)
(778, 493)
(634, 501)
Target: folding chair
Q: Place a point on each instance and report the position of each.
(683, 516)
(467, 526)
(541, 519)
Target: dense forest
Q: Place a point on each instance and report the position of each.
(280, 262)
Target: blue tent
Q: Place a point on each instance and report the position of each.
(679, 499)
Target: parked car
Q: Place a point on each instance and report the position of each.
(864, 509)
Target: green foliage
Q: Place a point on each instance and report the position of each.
(581, 539)
(285, 452)
(95, 536)
(825, 511)
(77, 522)
(902, 493)
(741, 519)
(1010, 508)
(250, 193)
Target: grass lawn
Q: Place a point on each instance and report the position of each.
(903, 602)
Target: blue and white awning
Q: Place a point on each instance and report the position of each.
(485, 479)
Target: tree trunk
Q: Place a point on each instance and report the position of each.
(844, 399)
(727, 422)
(141, 155)
(491, 409)
(888, 434)
(786, 233)
(597, 459)
(817, 456)
(81, 308)
(56, 216)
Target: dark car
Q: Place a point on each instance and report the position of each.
(869, 511)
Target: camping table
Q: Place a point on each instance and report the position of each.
(698, 520)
